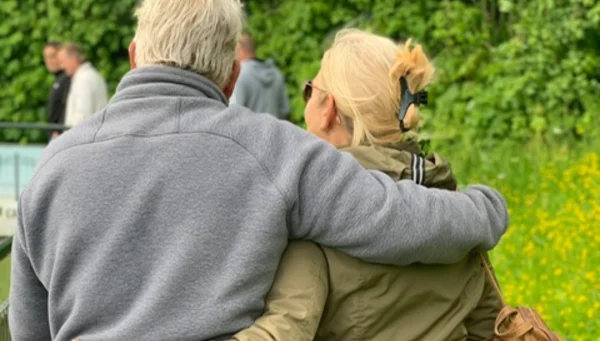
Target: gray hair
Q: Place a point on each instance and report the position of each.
(196, 35)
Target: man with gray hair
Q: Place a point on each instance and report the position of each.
(260, 86)
(164, 215)
(88, 93)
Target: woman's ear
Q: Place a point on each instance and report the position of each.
(329, 113)
(131, 51)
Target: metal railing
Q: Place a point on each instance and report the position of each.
(33, 126)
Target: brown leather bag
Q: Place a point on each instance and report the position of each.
(520, 324)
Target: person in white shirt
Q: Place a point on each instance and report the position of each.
(88, 93)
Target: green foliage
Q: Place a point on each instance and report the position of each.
(506, 69)
(104, 28)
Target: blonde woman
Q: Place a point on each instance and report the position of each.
(363, 101)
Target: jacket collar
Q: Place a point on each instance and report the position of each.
(150, 81)
(396, 159)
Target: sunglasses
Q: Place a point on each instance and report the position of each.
(308, 90)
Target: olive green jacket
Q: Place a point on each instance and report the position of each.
(324, 294)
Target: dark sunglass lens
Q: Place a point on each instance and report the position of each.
(307, 92)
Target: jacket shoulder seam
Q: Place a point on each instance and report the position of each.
(269, 175)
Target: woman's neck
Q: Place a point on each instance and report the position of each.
(339, 137)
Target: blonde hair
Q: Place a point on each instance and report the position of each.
(362, 72)
(197, 35)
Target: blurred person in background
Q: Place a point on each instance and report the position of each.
(57, 100)
(88, 92)
(260, 86)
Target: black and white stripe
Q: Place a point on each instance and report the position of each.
(418, 169)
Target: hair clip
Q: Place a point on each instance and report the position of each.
(408, 99)
(421, 98)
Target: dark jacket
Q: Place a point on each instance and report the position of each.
(58, 99)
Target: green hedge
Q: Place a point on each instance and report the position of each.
(507, 69)
(103, 28)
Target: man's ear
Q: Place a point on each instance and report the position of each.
(131, 50)
(228, 90)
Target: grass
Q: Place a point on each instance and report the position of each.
(548, 259)
(4, 278)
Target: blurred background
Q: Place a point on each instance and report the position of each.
(515, 105)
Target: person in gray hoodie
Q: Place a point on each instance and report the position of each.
(260, 86)
(164, 216)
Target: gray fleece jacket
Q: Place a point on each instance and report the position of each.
(164, 216)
